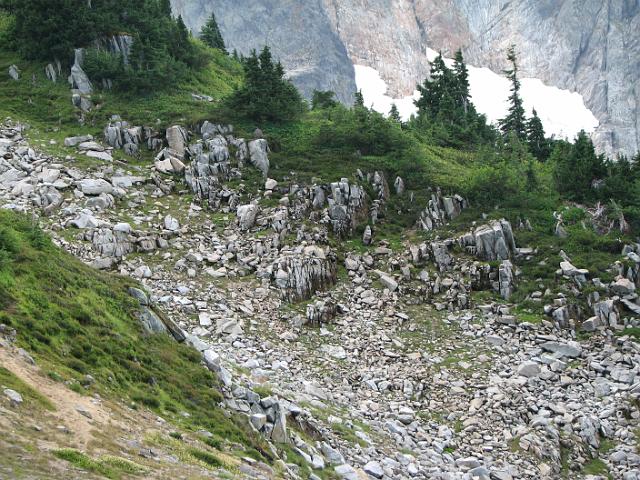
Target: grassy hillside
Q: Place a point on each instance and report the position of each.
(80, 326)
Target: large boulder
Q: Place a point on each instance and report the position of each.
(75, 141)
(14, 72)
(440, 209)
(90, 186)
(506, 279)
(491, 242)
(299, 276)
(247, 216)
(78, 79)
(177, 140)
(347, 206)
(623, 286)
(258, 155)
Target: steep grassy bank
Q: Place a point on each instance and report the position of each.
(81, 328)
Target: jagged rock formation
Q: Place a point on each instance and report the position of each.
(81, 87)
(389, 355)
(347, 205)
(300, 275)
(592, 47)
(441, 209)
(491, 242)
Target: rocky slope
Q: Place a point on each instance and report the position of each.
(372, 360)
(590, 47)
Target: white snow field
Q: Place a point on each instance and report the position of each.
(563, 113)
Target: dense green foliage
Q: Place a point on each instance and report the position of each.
(78, 321)
(323, 99)
(446, 114)
(576, 168)
(266, 95)
(210, 34)
(162, 51)
(539, 145)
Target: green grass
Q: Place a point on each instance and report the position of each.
(31, 398)
(107, 466)
(77, 321)
(596, 467)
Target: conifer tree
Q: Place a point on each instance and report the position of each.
(165, 7)
(461, 82)
(266, 95)
(576, 166)
(433, 90)
(538, 144)
(394, 114)
(210, 34)
(359, 100)
(323, 99)
(515, 120)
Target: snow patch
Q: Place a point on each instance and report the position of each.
(563, 113)
(374, 90)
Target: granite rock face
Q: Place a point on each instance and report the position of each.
(298, 32)
(588, 46)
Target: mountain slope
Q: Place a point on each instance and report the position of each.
(590, 47)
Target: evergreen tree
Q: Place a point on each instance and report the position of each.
(532, 179)
(515, 120)
(211, 36)
(47, 30)
(445, 112)
(576, 167)
(359, 100)
(323, 99)
(394, 114)
(461, 82)
(435, 90)
(538, 143)
(266, 95)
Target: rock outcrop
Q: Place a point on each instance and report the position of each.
(441, 209)
(494, 241)
(300, 275)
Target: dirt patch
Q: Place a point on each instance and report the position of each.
(67, 403)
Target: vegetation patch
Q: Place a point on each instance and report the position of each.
(31, 397)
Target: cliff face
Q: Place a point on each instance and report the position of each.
(298, 32)
(588, 46)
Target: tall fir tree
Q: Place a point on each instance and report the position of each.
(394, 114)
(165, 7)
(433, 90)
(359, 99)
(461, 82)
(515, 121)
(211, 35)
(538, 143)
